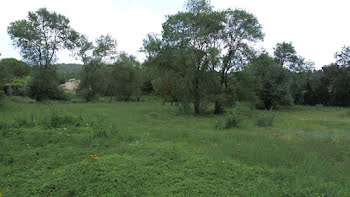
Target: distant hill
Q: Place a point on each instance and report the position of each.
(68, 71)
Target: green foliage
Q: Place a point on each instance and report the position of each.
(343, 57)
(2, 95)
(186, 58)
(337, 80)
(12, 68)
(31, 36)
(39, 38)
(198, 53)
(265, 119)
(57, 119)
(241, 30)
(17, 86)
(272, 83)
(13, 76)
(43, 86)
(235, 117)
(125, 79)
(95, 56)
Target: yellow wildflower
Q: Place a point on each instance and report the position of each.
(94, 157)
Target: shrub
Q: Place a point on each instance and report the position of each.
(319, 106)
(43, 86)
(244, 109)
(86, 94)
(2, 95)
(233, 119)
(266, 119)
(56, 119)
(154, 114)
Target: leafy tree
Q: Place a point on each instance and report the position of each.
(336, 79)
(272, 82)
(124, 78)
(14, 68)
(12, 76)
(95, 57)
(39, 38)
(343, 57)
(286, 56)
(241, 30)
(43, 85)
(316, 91)
(166, 76)
(187, 42)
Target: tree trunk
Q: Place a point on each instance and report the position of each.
(196, 97)
(196, 106)
(218, 108)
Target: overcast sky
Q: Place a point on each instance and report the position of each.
(317, 28)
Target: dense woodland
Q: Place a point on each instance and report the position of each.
(204, 59)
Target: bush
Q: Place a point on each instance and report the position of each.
(43, 86)
(319, 107)
(2, 95)
(56, 119)
(244, 109)
(233, 119)
(266, 119)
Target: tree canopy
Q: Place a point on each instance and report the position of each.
(41, 36)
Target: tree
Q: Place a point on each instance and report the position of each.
(166, 72)
(125, 78)
(39, 38)
(286, 56)
(95, 57)
(189, 38)
(336, 80)
(13, 74)
(343, 57)
(14, 68)
(241, 30)
(272, 82)
(43, 85)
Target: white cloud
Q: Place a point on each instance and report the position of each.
(318, 28)
(93, 18)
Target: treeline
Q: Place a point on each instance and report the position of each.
(203, 57)
(206, 57)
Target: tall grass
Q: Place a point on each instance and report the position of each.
(146, 148)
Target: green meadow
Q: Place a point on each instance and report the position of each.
(152, 149)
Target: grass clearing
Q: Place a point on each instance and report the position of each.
(146, 148)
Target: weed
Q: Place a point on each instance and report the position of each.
(266, 119)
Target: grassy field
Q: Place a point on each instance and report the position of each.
(151, 149)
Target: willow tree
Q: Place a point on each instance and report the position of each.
(95, 56)
(40, 37)
(241, 30)
(191, 37)
(343, 57)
